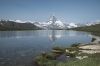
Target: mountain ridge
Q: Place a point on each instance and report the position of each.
(11, 25)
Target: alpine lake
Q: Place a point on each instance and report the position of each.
(18, 48)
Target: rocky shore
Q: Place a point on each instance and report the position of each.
(91, 48)
(74, 52)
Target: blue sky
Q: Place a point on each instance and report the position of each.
(40, 10)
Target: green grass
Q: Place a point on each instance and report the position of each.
(84, 62)
(93, 60)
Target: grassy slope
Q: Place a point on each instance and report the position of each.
(95, 29)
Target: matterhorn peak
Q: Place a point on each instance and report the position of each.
(53, 23)
(52, 19)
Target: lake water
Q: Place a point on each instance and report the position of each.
(18, 48)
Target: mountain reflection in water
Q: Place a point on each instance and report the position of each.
(54, 36)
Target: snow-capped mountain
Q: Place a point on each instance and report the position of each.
(54, 23)
(72, 25)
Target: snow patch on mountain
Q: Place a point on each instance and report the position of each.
(59, 23)
(20, 21)
(72, 25)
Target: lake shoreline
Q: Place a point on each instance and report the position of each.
(75, 51)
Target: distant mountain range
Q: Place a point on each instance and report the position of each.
(11, 25)
(53, 23)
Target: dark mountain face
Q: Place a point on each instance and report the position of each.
(11, 25)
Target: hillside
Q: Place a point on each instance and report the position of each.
(95, 29)
(11, 25)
